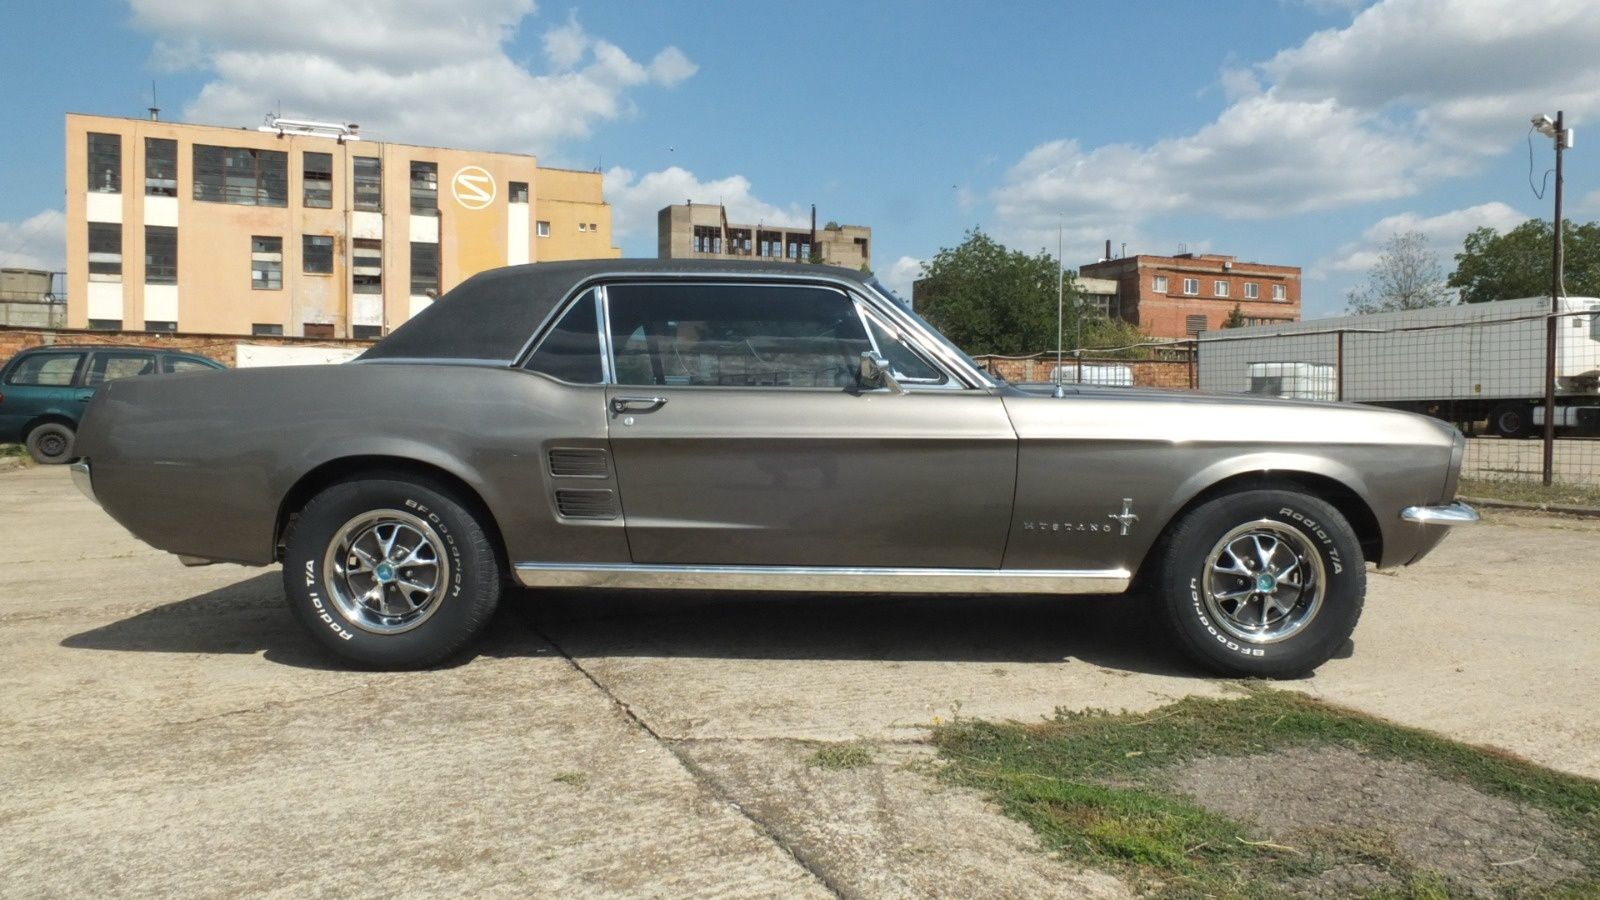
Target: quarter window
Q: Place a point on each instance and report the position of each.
(571, 351)
(45, 369)
(753, 335)
(179, 364)
(908, 365)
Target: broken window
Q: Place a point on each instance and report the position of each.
(266, 263)
(368, 183)
(519, 192)
(707, 239)
(317, 173)
(366, 266)
(160, 168)
(424, 269)
(105, 251)
(424, 189)
(160, 254)
(105, 163)
(241, 176)
(316, 254)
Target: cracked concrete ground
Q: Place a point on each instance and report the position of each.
(169, 730)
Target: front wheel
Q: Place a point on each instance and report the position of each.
(391, 574)
(1264, 583)
(51, 443)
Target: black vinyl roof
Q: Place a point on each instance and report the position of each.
(491, 315)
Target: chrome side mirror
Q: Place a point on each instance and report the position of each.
(876, 374)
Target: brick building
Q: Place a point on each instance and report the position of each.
(1179, 296)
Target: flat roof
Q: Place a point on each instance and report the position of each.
(253, 129)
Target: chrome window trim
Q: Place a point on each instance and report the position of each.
(843, 579)
(602, 315)
(946, 381)
(610, 351)
(908, 326)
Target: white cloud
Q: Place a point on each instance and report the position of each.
(1407, 94)
(635, 200)
(900, 275)
(1444, 233)
(428, 71)
(37, 242)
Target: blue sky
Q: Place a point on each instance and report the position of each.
(1301, 133)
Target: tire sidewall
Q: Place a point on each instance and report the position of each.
(1344, 573)
(470, 598)
(39, 433)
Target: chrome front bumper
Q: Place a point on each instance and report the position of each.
(1456, 513)
(81, 478)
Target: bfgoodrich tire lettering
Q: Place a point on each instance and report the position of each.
(1266, 583)
(440, 578)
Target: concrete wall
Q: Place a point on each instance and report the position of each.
(221, 347)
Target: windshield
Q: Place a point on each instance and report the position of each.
(905, 307)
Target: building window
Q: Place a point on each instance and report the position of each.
(424, 269)
(519, 192)
(105, 163)
(316, 254)
(154, 325)
(317, 329)
(739, 241)
(424, 189)
(266, 263)
(160, 254)
(160, 168)
(241, 176)
(105, 324)
(105, 251)
(593, 227)
(1252, 290)
(261, 329)
(707, 239)
(1219, 288)
(1280, 293)
(1194, 325)
(583, 226)
(366, 266)
(317, 175)
(366, 332)
(369, 184)
(544, 229)
(1191, 287)
(1160, 284)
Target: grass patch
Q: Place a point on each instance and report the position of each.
(12, 450)
(574, 779)
(852, 755)
(1095, 787)
(1530, 491)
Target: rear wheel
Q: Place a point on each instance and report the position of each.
(1511, 420)
(51, 443)
(389, 573)
(1266, 583)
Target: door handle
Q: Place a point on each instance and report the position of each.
(620, 405)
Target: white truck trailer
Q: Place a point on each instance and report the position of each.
(1467, 363)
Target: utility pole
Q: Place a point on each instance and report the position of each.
(1556, 130)
(1060, 292)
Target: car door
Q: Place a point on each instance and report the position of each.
(741, 437)
(40, 383)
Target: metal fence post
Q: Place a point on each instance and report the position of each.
(1550, 394)
(1338, 369)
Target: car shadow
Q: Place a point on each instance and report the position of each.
(1116, 632)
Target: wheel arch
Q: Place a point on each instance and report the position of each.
(351, 468)
(1336, 493)
(46, 418)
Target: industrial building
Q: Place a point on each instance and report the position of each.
(1187, 294)
(299, 228)
(702, 231)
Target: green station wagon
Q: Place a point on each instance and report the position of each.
(44, 390)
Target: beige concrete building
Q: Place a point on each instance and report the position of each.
(299, 230)
(702, 231)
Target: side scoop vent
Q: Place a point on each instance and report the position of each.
(586, 504)
(578, 463)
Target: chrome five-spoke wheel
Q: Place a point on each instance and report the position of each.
(1264, 582)
(386, 571)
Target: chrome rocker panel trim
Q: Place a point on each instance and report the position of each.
(1456, 513)
(824, 578)
(82, 480)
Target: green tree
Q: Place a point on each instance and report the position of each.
(1406, 275)
(1494, 266)
(1235, 318)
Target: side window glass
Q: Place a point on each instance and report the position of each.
(571, 351)
(110, 366)
(907, 364)
(735, 335)
(179, 364)
(46, 370)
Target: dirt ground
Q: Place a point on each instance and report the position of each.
(170, 730)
